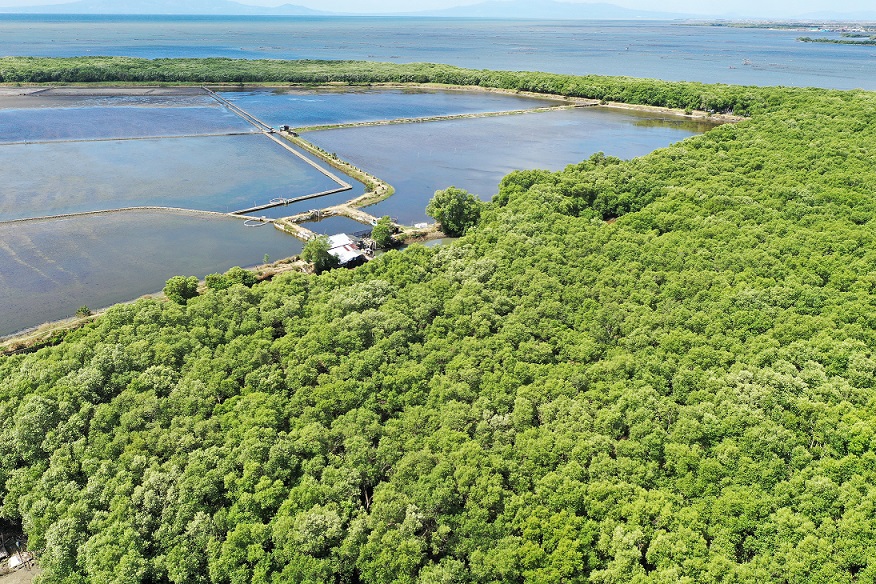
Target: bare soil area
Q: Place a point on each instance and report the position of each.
(22, 576)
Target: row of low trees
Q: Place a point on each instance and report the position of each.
(181, 289)
(681, 394)
(681, 95)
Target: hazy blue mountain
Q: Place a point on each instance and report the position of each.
(201, 7)
(553, 10)
(490, 9)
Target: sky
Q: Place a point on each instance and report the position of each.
(769, 8)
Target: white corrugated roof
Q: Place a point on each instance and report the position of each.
(343, 247)
(339, 240)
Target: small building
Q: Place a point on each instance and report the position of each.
(343, 247)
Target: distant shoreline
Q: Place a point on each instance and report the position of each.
(863, 42)
(793, 25)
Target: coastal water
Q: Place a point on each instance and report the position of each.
(50, 268)
(475, 154)
(665, 50)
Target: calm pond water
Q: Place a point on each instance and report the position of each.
(338, 224)
(218, 173)
(475, 154)
(664, 50)
(105, 113)
(66, 97)
(311, 107)
(102, 122)
(49, 268)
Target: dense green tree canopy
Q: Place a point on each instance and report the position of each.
(180, 288)
(235, 275)
(316, 251)
(455, 210)
(382, 232)
(683, 393)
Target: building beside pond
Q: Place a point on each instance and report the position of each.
(347, 250)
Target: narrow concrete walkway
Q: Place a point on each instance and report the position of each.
(421, 120)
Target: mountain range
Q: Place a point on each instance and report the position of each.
(189, 7)
(529, 9)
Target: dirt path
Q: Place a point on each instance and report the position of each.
(22, 576)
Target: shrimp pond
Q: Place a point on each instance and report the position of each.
(107, 193)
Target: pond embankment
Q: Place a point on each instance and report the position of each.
(377, 190)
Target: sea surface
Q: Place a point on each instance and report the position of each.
(660, 49)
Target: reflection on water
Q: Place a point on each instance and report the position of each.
(49, 268)
(475, 154)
